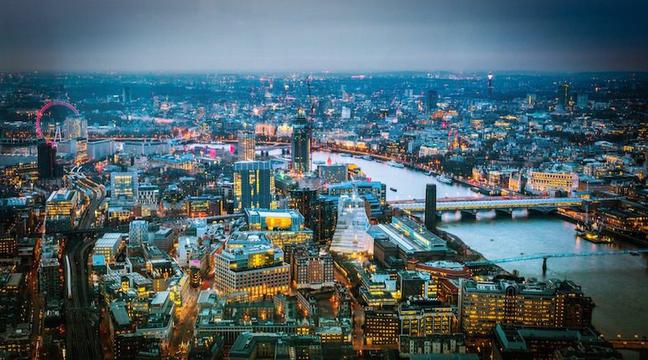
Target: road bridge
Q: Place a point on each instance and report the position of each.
(479, 204)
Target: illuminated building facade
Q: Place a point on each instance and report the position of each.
(381, 328)
(250, 263)
(61, 210)
(300, 146)
(425, 318)
(281, 226)
(311, 269)
(246, 146)
(203, 206)
(552, 181)
(253, 184)
(351, 235)
(123, 186)
(554, 304)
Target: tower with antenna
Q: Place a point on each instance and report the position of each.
(490, 84)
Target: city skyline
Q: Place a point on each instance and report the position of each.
(254, 36)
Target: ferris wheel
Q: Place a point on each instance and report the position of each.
(39, 116)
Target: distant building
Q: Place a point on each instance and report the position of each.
(123, 186)
(300, 148)
(253, 184)
(50, 277)
(431, 98)
(246, 146)
(553, 181)
(333, 174)
(46, 161)
(100, 149)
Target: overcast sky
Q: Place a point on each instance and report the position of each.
(347, 35)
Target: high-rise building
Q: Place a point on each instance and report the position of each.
(300, 148)
(430, 207)
(123, 186)
(304, 200)
(490, 84)
(351, 236)
(253, 184)
(431, 98)
(46, 161)
(138, 232)
(564, 95)
(246, 145)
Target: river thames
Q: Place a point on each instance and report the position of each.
(618, 284)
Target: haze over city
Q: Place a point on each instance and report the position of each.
(358, 35)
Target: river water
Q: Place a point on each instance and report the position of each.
(618, 284)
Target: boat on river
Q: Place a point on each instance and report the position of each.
(444, 179)
(393, 163)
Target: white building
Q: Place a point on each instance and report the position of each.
(100, 149)
(351, 235)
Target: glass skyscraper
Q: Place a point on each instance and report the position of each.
(253, 184)
(301, 144)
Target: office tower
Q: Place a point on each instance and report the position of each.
(123, 186)
(251, 264)
(430, 207)
(490, 84)
(253, 184)
(138, 232)
(431, 98)
(351, 235)
(582, 101)
(301, 144)
(46, 161)
(246, 143)
(324, 219)
(304, 201)
(564, 96)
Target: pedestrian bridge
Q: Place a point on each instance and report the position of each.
(491, 204)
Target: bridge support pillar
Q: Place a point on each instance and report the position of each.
(544, 265)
